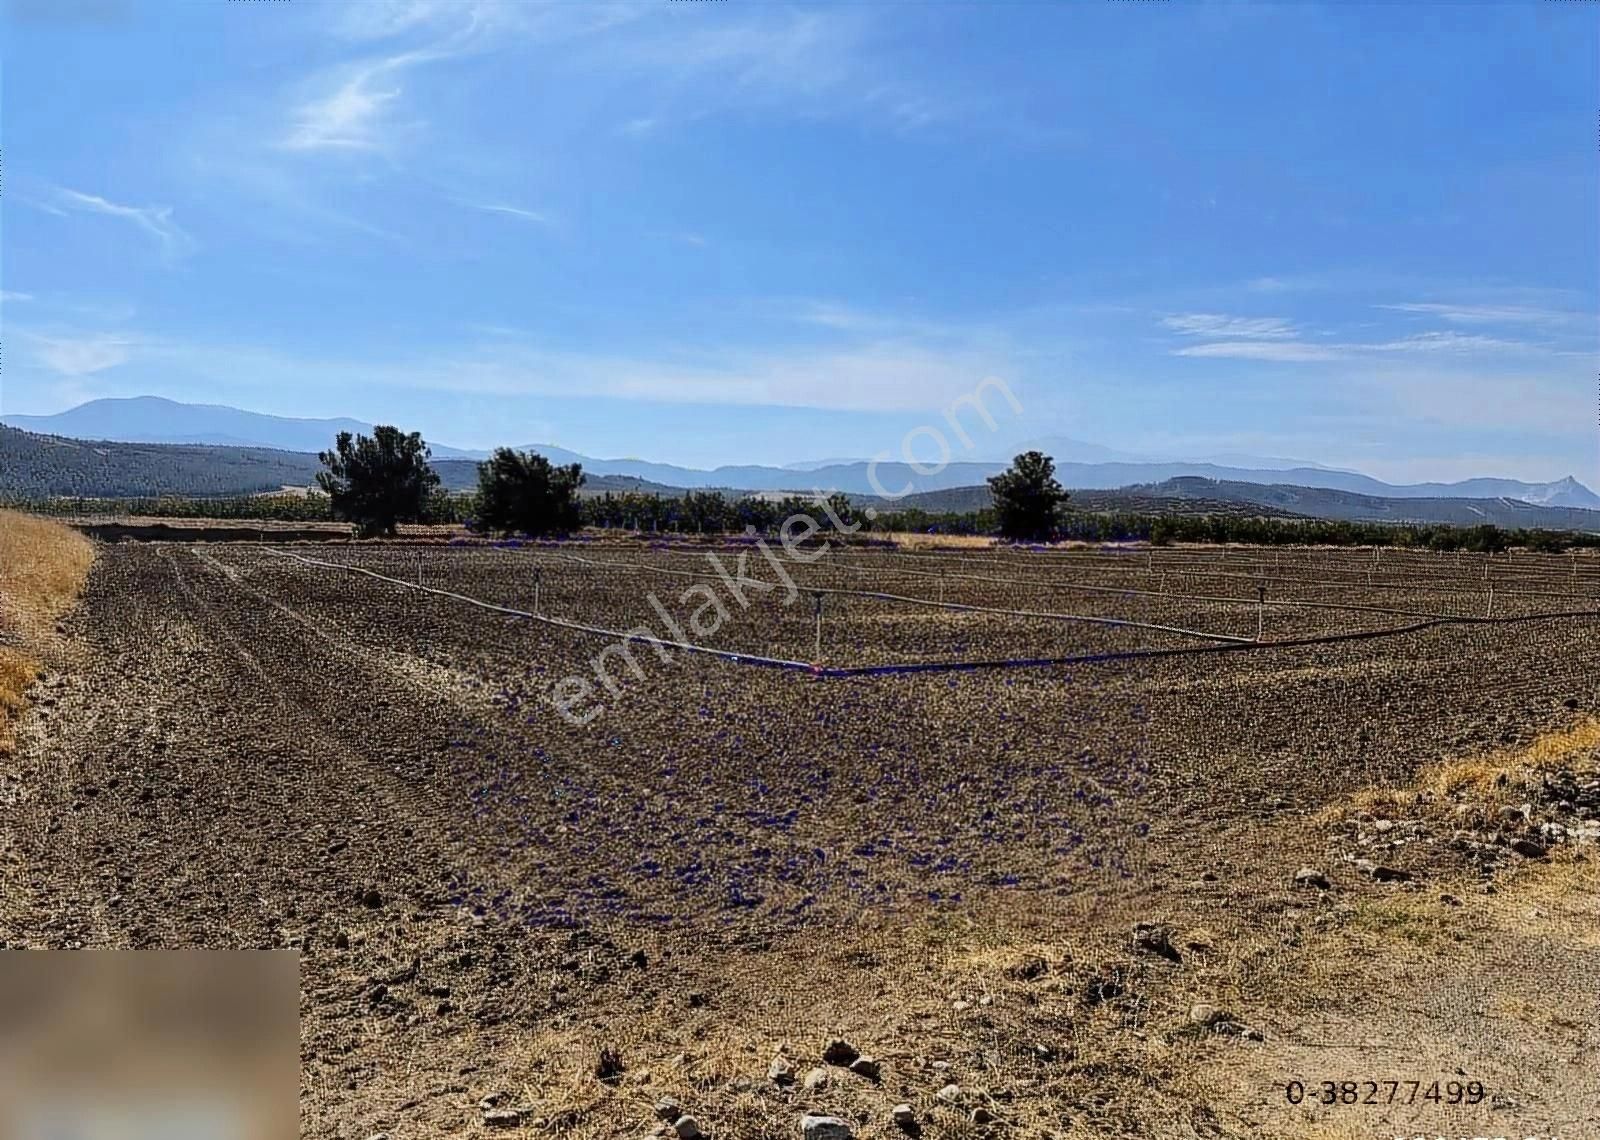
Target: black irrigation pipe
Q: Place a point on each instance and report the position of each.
(1181, 651)
(738, 658)
(842, 671)
(879, 595)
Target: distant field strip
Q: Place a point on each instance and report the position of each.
(1507, 580)
(1219, 643)
(877, 595)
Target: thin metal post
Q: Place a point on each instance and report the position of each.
(817, 604)
(419, 567)
(1491, 601)
(1261, 607)
(536, 576)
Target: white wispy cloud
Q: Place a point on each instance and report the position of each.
(353, 107)
(1446, 341)
(354, 116)
(871, 377)
(871, 324)
(358, 107)
(7, 295)
(510, 211)
(1303, 351)
(1218, 325)
(153, 220)
(876, 375)
(1487, 314)
(387, 19)
(382, 19)
(1276, 339)
(1285, 350)
(79, 355)
(818, 63)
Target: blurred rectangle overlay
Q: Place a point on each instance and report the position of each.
(146, 1044)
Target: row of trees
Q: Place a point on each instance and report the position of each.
(712, 512)
(661, 514)
(380, 481)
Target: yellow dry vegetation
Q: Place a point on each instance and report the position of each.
(1486, 780)
(916, 540)
(43, 566)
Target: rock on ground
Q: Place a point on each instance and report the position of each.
(825, 1128)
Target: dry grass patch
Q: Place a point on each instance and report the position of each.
(915, 540)
(1486, 782)
(43, 566)
(1047, 1034)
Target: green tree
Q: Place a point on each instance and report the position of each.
(379, 481)
(1026, 497)
(522, 492)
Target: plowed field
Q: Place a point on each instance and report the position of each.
(730, 863)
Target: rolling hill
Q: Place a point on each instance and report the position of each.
(1326, 503)
(36, 466)
(42, 466)
(1133, 500)
(1192, 496)
(152, 419)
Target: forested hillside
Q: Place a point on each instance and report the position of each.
(48, 466)
(37, 466)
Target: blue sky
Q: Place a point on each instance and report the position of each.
(1364, 235)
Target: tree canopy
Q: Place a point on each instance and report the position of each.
(1026, 496)
(378, 481)
(522, 492)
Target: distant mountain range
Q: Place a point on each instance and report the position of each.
(149, 419)
(1191, 495)
(39, 466)
(152, 419)
(1335, 503)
